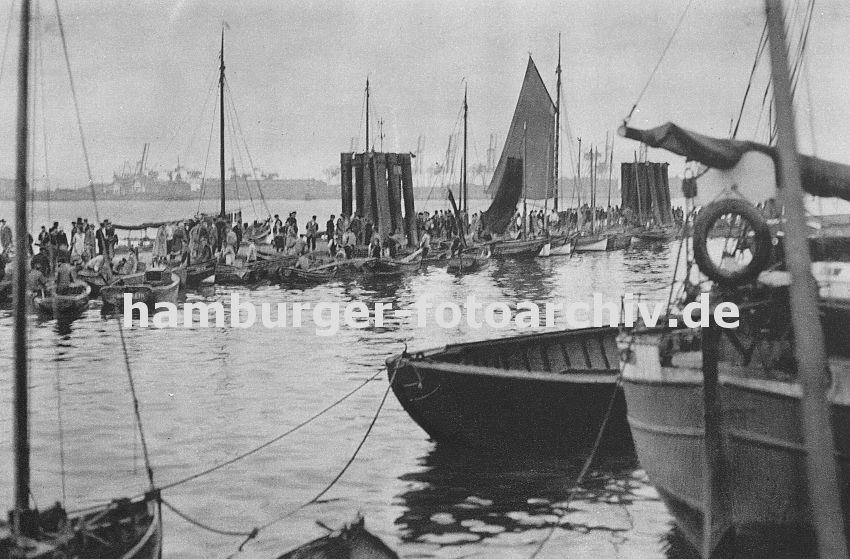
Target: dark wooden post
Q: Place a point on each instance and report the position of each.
(717, 493)
(345, 160)
(358, 171)
(382, 195)
(394, 178)
(409, 204)
(368, 173)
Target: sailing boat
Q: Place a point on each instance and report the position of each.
(524, 170)
(124, 528)
(745, 433)
(238, 271)
(560, 245)
(469, 259)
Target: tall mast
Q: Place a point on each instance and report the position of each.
(524, 201)
(558, 123)
(367, 113)
(463, 187)
(592, 191)
(221, 120)
(578, 173)
(21, 424)
(610, 169)
(809, 348)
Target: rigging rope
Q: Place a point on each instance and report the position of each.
(76, 107)
(658, 64)
(136, 412)
(207, 158)
(247, 152)
(759, 52)
(254, 532)
(6, 38)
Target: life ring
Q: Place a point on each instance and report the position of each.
(759, 244)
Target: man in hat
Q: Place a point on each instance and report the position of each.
(100, 235)
(5, 236)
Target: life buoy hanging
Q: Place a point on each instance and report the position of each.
(751, 233)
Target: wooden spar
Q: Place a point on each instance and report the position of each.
(367, 113)
(809, 348)
(610, 153)
(557, 123)
(21, 421)
(717, 493)
(610, 169)
(524, 200)
(465, 200)
(578, 172)
(221, 122)
(592, 192)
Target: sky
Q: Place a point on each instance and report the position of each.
(297, 70)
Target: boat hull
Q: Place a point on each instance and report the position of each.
(516, 249)
(543, 393)
(466, 264)
(591, 244)
(75, 302)
(123, 529)
(763, 439)
(296, 276)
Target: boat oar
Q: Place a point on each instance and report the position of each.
(410, 257)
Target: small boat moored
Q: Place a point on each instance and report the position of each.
(548, 393)
(73, 300)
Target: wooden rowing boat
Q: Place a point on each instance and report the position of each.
(297, 276)
(547, 392)
(96, 281)
(73, 300)
(377, 268)
(150, 288)
(516, 249)
(467, 263)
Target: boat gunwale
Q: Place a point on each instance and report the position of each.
(578, 376)
(456, 348)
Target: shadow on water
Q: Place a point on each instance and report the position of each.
(463, 497)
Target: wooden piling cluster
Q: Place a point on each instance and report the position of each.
(378, 186)
(646, 191)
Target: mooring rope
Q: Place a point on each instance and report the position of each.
(254, 532)
(584, 469)
(273, 440)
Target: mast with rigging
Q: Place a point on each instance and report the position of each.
(557, 123)
(221, 121)
(21, 419)
(465, 197)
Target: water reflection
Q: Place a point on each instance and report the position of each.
(462, 497)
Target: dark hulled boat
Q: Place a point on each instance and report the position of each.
(297, 276)
(545, 392)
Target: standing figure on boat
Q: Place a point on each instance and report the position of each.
(375, 247)
(5, 236)
(312, 233)
(65, 273)
(425, 244)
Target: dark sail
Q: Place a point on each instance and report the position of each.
(533, 124)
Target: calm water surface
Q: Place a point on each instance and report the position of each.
(208, 394)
